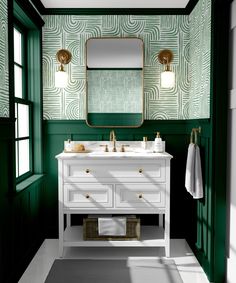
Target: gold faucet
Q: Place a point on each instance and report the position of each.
(113, 139)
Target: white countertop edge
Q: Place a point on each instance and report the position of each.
(118, 155)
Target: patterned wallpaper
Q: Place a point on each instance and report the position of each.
(180, 33)
(200, 58)
(4, 74)
(157, 32)
(114, 91)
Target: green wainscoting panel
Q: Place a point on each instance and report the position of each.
(115, 119)
(20, 213)
(175, 133)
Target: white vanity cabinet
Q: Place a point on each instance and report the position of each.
(114, 184)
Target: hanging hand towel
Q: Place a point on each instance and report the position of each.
(198, 186)
(112, 226)
(190, 170)
(193, 175)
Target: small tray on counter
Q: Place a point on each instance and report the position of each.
(77, 151)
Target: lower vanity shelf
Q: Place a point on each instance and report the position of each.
(151, 236)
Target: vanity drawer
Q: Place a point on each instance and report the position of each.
(140, 195)
(99, 170)
(88, 195)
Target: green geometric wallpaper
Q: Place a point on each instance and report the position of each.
(4, 73)
(158, 32)
(200, 58)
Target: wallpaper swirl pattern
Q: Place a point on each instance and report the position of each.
(4, 73)
(187, 36)
(200, 57)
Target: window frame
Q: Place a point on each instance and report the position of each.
(27, 18)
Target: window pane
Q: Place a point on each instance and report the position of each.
(18, 81)
(17, 47)
(23, 120)
(24, 162)
(17, 172)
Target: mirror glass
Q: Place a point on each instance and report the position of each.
(114, 73)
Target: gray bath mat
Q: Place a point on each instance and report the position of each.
(133, 270)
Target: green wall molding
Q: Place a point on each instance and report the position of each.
(25, 12)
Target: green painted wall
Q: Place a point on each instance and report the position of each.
(175, 133)
(4, 72)
(20, 214)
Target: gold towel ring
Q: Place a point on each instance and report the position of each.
(195, 131)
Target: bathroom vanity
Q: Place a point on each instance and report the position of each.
(114, 183)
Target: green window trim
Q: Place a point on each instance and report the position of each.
(28, 182)
(26, 19)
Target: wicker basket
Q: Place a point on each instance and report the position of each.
(90, 230)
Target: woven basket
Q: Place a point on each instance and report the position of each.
(90, 230)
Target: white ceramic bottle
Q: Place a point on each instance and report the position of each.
(144, 143)
(158, 143)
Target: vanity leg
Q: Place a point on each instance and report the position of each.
(167, 211)
(61, 233)
(161, 220)
(68, 220)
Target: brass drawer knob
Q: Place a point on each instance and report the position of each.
(87, 171)
(140, 196)
(140, 170)
(87, 196)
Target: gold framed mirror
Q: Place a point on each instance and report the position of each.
(114, 82)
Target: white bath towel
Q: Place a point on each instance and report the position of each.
(112, 226)
(189, 175)
(198, 186)
(193, 175)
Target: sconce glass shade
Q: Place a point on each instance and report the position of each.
(61, 79)
(165, 57)
(167, 79)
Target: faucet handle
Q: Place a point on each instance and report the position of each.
(106, 147)
(123, 147)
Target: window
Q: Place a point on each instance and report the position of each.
(23, 139)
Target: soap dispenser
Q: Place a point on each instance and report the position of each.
(158, 143)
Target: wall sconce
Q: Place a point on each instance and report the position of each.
(61, 77)
(165, 57)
